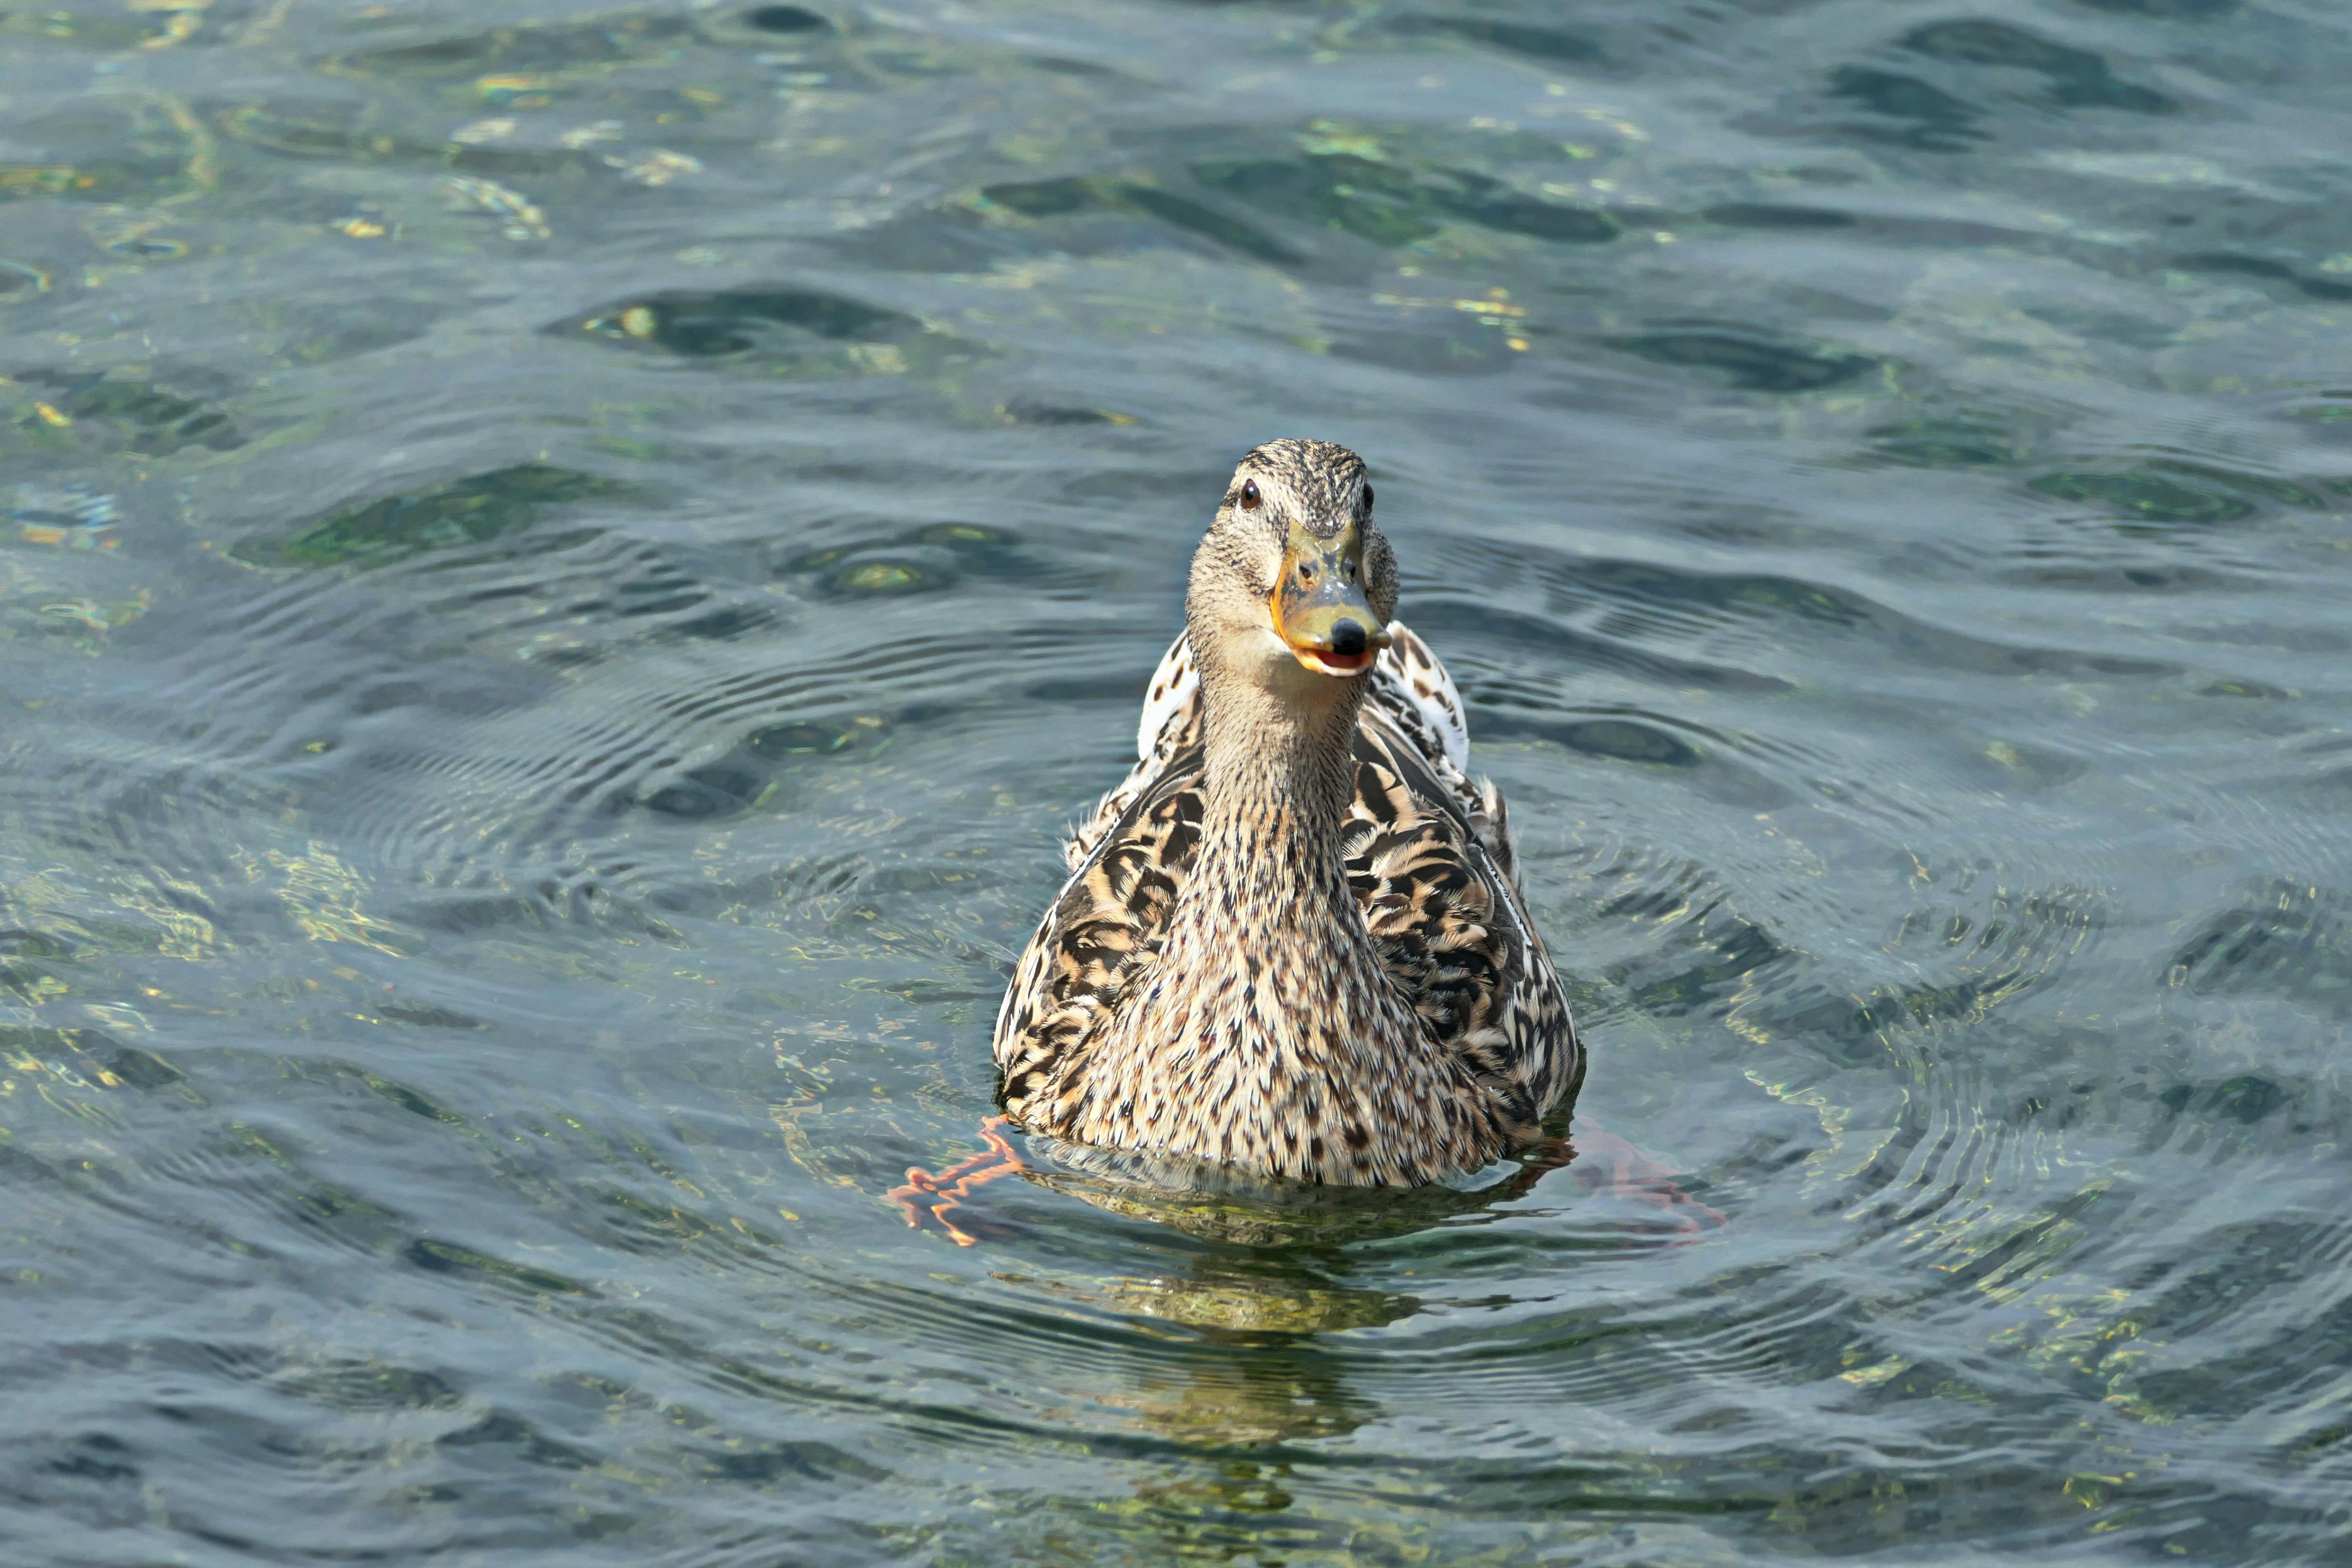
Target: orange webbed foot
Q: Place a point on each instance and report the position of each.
(947, 1188)
(1605, 1162)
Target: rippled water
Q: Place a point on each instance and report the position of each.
(562, 568)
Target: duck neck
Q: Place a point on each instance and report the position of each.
(1279, 778)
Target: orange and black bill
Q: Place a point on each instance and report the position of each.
(1318, 605)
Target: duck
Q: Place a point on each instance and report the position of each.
(1292, 940)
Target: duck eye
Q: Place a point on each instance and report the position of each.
(1250, 496)
(1367, 497)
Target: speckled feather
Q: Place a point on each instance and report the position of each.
(1443, 1051)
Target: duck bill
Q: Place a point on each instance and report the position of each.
(1319, 607)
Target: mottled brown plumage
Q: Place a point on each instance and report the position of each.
(1292, 939)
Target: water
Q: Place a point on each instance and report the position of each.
(564, 568)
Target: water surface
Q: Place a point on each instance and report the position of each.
(564, 568)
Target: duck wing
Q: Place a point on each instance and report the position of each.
(1103, 930)
(1126, 860)
(1429, 858)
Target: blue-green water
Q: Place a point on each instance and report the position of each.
(563, 570)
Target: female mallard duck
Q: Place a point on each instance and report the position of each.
(1292, 940)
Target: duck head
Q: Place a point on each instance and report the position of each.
(1293, 585)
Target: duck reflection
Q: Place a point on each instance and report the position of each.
(1248, 1366)
(1244, 1374)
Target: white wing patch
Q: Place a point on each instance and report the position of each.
(1172, 686)
(1422, 683)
